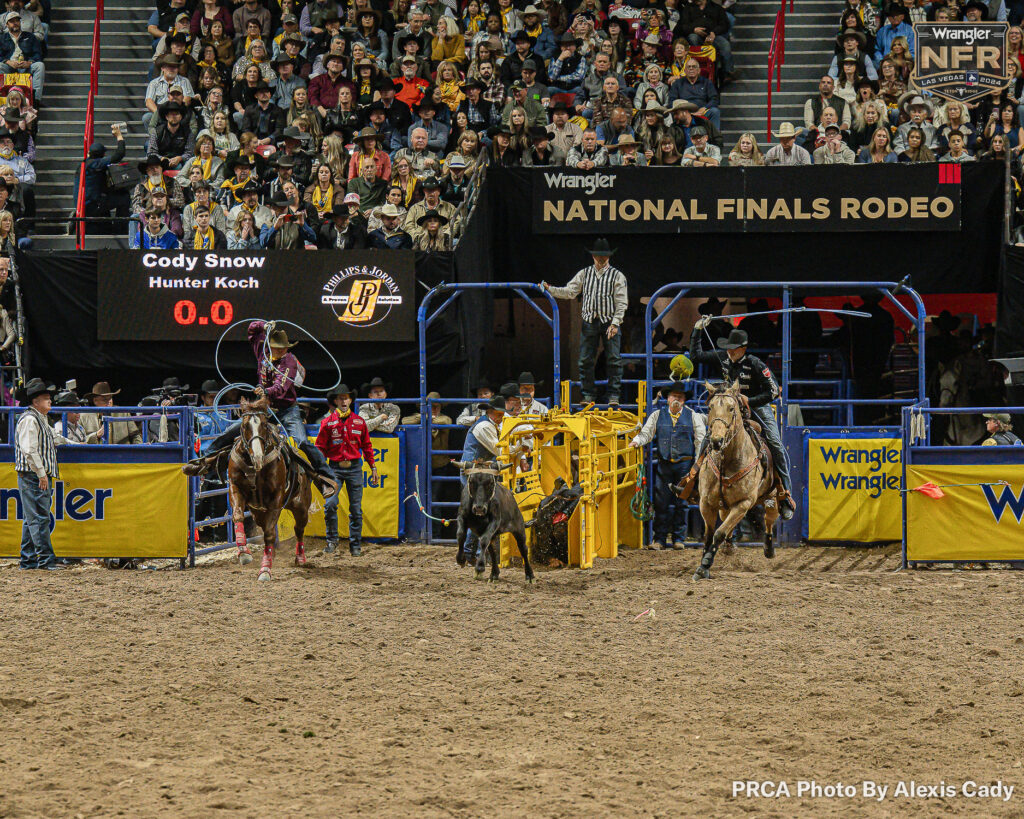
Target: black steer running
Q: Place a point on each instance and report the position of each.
(488, 509)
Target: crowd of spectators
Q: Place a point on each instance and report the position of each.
(283, 123)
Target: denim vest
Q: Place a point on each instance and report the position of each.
(473, 449)
(675, 443)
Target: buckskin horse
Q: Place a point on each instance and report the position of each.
(265, 478)
(736, 475)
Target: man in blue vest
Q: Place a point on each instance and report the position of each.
(482, 445)
(677, 432)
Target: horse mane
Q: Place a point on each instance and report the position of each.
(260, 405)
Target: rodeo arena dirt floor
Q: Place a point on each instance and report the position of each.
(395, 685)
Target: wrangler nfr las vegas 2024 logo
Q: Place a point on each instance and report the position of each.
(361, 296)
(960, 61)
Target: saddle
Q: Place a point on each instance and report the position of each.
(753, 428)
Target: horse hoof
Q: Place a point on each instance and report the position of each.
(531, 580)
(493, 579)
(479, 574)
(729, 548)
(701, 573)
(244, 559)
(300, 561)
(460, 558)
(264, 575)
(769, 551)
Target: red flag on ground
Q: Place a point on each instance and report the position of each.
(930, 489)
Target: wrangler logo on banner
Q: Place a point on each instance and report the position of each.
(853, 489)
(747, 200)
(960, 61)
(106, 510)
(968, 522)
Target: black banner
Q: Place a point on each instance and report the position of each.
(193, 295)
(839, 198)
(960, 61)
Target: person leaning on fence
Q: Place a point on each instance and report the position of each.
(472, 412)
(604, 296)
(35, 461)
(70, 424)
(380, 416)
(999, 426)
(677, 433)
(759, 387)
(121, 432)
(344, 440)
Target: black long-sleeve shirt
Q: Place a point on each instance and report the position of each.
(756, 380)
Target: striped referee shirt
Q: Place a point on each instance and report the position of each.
(34, 449)
(604, 293)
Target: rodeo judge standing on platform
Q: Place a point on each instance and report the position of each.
(35, 460)
(677, 433)
(344, 440)
(604, 304)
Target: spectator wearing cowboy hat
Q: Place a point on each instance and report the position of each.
(284, 167)
(390, 235)
(604, 301)
(918, 111)
(171, 140)
(471, 412)
(431, 201)
(542, 152)
(341, 232)
(853, 44)
(677, 432)
(683, 118)
(23, 142)
(999, 426)
(568, 69)
(512, 65)
(344, 440)
(35, 461)
(380, 416)
(431, 236)
(70, 424)
(294, 143)
(437, 132)
(787, 152)
(370, 188)
(263, 118)
(528, 383)
(369, 149)
(896, 26)
(544, 42)
(261, 214)
(627, 152)
(480, 113)
(120, 432)
(157, 92)
(565, 134)
(323, 89)
(287, 79)
(288, 231)
(239, 171)
(455, 182)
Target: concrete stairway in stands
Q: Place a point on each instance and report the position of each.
(810, 33)
(125, 53)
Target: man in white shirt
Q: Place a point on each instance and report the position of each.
(527, 395)
(472, 412)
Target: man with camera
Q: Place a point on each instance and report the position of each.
(288, 230)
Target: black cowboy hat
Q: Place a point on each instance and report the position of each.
(526, 377)
(250, 187)
(872, 84)
(946, 322)
(474, 83)
(495, 402)
(173, 382)
(737, 338)
(279, 339)
(101, 389)
(36, 386)
(676, 386)
(494, 130)
(281, 58)
(234, 162)
(376, 381)
(340, 209)
(405, 38)
(67, 398)
(510, 389)
(426, 102)
(482, 384)
(341, 389)
(538, 132)
(210, 386)
(433, 214)
(712, 307)
(385, 84)
(153, 159)
(601, 248)
(976, 4)
(292, 132)
(521, 35)
(279, 200)
(895, 8)
(260, 87)
(431, 182)
(567, 39)
(12, 114)
(376, 105)
(284, 161)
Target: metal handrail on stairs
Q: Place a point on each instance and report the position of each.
(777, 57)
(90, 114)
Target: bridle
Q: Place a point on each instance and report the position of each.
(731, 426)
(268, 437)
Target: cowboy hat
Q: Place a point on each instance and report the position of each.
(167, 59)
(292, 132)
(366, 133)
(260, 87)
(430, 183)
(532, 9)
(601, 248)
(375, 382)
(153, 159)
(912, 99)
(712, 307)
(895, 8)
(682, 105)
(101, 389)
(786, 129)
(652, 106)
(510, 389)
(390, 209)
(281, 58)
(862, 40)
(283, 161)
(482, 384)
(340, 209)
(676, 386)
(174, 383)
(526, 377)
(976, 4)
(67, 398)
(568, 39)
(279, 199)
(279, 340)
(1003, 417)
(625, 139)
(522, 36)
(234, 162)
(496, 402)
(432, 214)
(341, 389)
(171, 107)
(652, 39)
(12, 114)
(737, 338)
(535, 132)
(210, 386)
(946, 322)
(36, 386)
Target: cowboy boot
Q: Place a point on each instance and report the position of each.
(786, 506)
(326, 483)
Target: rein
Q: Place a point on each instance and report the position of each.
(726, 482)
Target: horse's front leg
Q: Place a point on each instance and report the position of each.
(709, 512)
(269, 526)
(238, 519)
(299, 508)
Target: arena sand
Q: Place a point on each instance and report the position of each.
(395, 685)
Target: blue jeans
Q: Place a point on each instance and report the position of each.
(352, 479)
(774, 440)
(291, 420)
(590, 337)
(36, 550)
(669, 516)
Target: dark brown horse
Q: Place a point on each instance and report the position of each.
(264, 480)
(734, 477)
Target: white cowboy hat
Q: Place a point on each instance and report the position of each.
(786, 129)
(912, 99)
